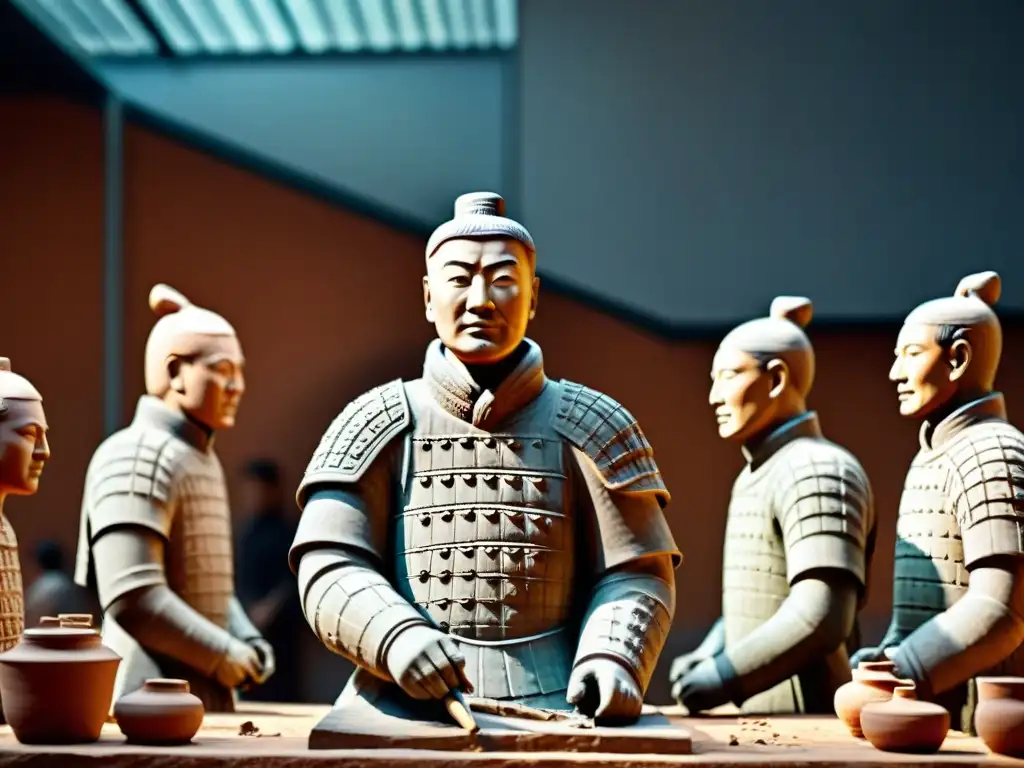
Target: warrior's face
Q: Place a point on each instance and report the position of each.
(209, 385)
(741, 394)
(24, 448)
(924, 371)
(480, 295)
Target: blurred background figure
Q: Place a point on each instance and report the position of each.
(264, 583)
(54, 591)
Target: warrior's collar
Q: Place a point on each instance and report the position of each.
(804, 425)
(454, 389)
(154, 412)
(987, 408)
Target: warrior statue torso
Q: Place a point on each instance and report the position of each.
(12, 602)
(160, 473)
(962, 502)
(802, 503)
(492, 531)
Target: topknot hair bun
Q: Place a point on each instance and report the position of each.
(987, 286)
(164, 300)
(796, 309)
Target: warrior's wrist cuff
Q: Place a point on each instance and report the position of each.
(628, 619)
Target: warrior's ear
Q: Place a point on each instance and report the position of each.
(428, 306)
(174, 374)
(960, 356)
(779, 371)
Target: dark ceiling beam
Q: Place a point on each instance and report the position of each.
(163, 47)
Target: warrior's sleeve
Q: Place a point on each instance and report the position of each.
(631, 608)
(824, 507)
(129, 516)
(341, 543)
(986, 625)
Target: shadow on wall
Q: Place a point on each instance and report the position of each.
(328, 304)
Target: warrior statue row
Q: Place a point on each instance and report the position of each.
(489, 530)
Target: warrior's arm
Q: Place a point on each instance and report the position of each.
(133, 589)
(812, 621)
(825, 511)
(339, 547)
(987, 624)
(631, 608)
(240, 626)
(347, 600)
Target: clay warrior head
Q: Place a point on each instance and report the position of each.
(763, 371)
(24, 448)
(194, 360)
(481, 286)
(948, 350)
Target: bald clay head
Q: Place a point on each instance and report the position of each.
(948, 349)
(481, 289)
(763, 371)
(24, 448)
(194, 360)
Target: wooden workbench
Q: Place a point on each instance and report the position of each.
(722, 740)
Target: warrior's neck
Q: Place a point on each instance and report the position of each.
(955, 403)
(490, 376)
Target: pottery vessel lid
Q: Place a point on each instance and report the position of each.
(59, 639)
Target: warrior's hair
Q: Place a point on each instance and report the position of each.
(481, 215)
(14, 387)
(780, 336)
(177, 333)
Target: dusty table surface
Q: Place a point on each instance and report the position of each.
(280, 742)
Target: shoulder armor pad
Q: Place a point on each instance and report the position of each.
(603, 429)
(989, 460)
(136, 462)
(357, 436)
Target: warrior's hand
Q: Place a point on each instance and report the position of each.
(427, 664)
(240, 663)
(268, 663)
(702, 688)
(683, 664)
(867, 654)
(604, 688)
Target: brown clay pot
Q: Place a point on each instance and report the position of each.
(872, 681)
(161, 712)
(904, 724)
(57, 682)
(999, 717)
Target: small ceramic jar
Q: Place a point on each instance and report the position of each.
(872, 681)
(162, 712)
(57, 683)
(904, 724)
(999, 717)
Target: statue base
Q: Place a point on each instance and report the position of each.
(371, 714)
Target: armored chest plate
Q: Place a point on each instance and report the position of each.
(199, 559)
(12, 605)
(486, 535)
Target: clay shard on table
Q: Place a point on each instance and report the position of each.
(958, 591)
(155, 525)
(58, 682)
(799, 535)
(484, 520)
(24, 451)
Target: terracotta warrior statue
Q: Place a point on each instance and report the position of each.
(958, 595)
(485, 528)
(156, 526)
(24, 451)
(799, 534)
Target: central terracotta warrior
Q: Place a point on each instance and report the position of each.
(799, 533)
(156, 526)
(958, 595)
(483, 527)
